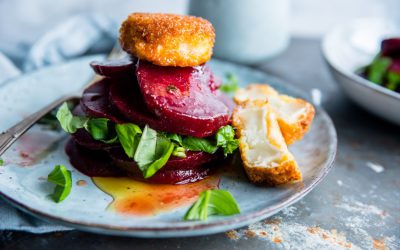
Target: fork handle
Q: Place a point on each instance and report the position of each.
(8, 137)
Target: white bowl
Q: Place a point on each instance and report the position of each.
(352, 46)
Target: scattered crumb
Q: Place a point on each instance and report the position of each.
(23, 154)
(250, 234)
(232, 234)
(379, 244)
(81, 183)
(272, 221)
(277, 240)
(376, 167)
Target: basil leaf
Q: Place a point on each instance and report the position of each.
(164, 150)
(60, 176)
(231, 85)
(68, 121)
(377, 69)
(393, 80)
(199, 144)
(98, 128)
(175, 138)
(1, 162)
(226, 139)
(179, 152)
(128, 135)
(146, 149)
(212, 202)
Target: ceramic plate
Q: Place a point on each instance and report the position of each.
(349, 47)
(27, 163)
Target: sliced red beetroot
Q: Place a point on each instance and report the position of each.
(91, 162)
(99, 164)
(115, 68)
(95, 101)
(183, 98)
(177, 170)
(395, 65)
(391, 47)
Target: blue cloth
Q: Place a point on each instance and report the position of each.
(78, 36)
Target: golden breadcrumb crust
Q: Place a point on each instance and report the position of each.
(286, 170)
(291, 131)
(168, 39)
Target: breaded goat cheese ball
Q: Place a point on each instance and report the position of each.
(168, 39)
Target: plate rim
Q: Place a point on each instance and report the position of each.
(200, 228)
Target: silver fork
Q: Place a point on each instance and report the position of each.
(8, 137)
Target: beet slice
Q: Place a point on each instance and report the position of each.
(177, 170)
(115, 68)
(95, 101)
(391, 47)
(182, 96)
(91, 162)
(95, 163)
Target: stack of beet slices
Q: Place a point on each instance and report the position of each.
(182, 100)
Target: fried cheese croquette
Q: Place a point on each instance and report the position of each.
(266, 158)
(294, 115)
(168, 39)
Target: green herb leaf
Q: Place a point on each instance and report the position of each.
(98, 128)
(60, 176)
(212, 202)
(377, 69)
(393, 80)
(175, 138)
(199, 144)
(231, 84)
(179, 152)
(164, 150)
(1, 162)
(152, 152)
(68, 121)
(129, 135)
(226, 139)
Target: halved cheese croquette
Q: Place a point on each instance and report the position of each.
(263, 150)
(168, 39)
(294, 115)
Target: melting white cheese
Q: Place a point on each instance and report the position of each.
(259, 151)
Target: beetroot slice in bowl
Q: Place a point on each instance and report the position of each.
(182, 96)
(95, 101)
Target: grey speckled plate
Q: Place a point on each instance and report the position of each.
(22, 184)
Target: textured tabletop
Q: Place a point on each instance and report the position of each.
(357, 206)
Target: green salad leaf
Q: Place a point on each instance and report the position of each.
(393, 80)
(164, 149)
(230, 85)
(199, 144)
(226, 139)
(153, 151)
(128, 135)
(1, 162)
(175, 138)
(212, 202)
(179, 152)
(98, 128)
(68, 121)
(61, 177)
(377, 69)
